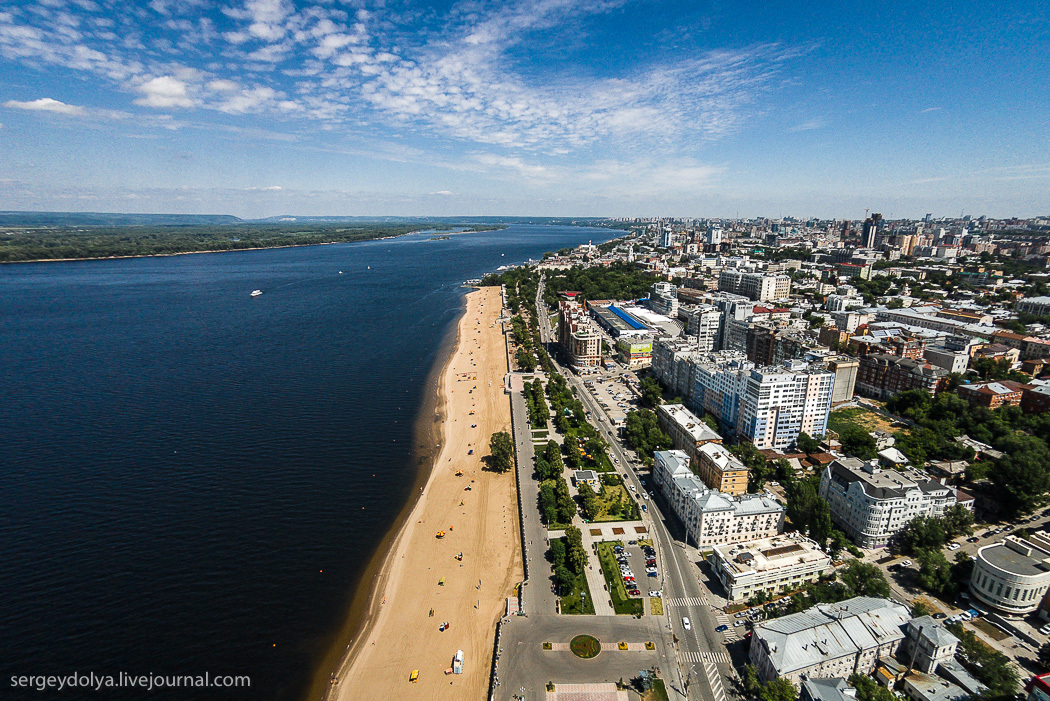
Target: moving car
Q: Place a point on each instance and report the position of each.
(686, 623)
(721, 629)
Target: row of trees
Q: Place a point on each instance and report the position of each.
(549, 464)
(536, 404)
(556, 504)
(991, 667)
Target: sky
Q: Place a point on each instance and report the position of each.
(614, 108)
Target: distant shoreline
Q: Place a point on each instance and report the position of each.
(498, 227)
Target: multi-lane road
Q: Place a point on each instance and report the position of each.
(703, 667)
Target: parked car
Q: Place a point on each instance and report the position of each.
(655, 594)
(972, 540)
(954, 546)
(740, 614)
(939, 616)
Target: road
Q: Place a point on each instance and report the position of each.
(703, 672)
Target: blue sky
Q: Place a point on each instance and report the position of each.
(542, 107)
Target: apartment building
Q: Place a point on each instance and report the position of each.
(687, 432)
(871, 504)
(709, 516)
(704, 322)
(778, 403)
(760, 287)
(1036, 306)
(881, 375)
(773, 565)
(829, 640)
(577, 335)
(721, 470)
(768, 406)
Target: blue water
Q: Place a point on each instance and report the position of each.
(192, 480)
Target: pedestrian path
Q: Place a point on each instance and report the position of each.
(596, 583)
(687, 601)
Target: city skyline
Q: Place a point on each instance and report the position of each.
(539, 107)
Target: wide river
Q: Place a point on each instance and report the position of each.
(191, 480)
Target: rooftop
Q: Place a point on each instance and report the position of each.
(688, 421)
(766, 554)
(1016, 556)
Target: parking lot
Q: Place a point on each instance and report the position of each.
(614, 394)
(639, 561)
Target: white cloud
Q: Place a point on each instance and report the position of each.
(45, 104)
(442, 193)
(222, 86)
(810, 125)
(248, 101)
(164, 91)
(268, 188)
(931, 109)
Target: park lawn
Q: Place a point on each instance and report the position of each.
(573, 603)
(859, 416)
(989, 629)
(657, 692)
(622, 603)
(610, 498)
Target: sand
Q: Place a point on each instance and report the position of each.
(399, 635)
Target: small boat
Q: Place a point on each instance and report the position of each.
(256, 293)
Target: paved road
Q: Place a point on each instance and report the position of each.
(703, 670)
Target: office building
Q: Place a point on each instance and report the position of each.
(1036, 306)
(870, 232)
(1013, 576)
(773, 565)
(871, 504)
(635, 351)
(829, 640)
(711, 517)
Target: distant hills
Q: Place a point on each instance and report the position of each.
(67, 219)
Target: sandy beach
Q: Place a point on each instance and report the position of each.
(399, 634)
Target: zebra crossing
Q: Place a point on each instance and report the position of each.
(708, 656)
(687, 601)
(715, 680)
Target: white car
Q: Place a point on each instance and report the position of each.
(655, 594)
(686, 623)
(906, 563)
(954, 546)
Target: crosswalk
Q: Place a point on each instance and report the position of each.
(715, 679)
(715, 657)
(687, 601)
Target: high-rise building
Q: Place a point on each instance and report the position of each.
(870, 232)
(778, 403)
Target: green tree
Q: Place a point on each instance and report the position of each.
(864, 579)
(919, 609)
(807, 444)
(870, 690)
(557, 551)
(1044, 657)
(501, 449)
(935, 572)
(651, 392)
(548, 502)
(566, 506)
(958, 521)
(921, 533)
(857, 442)
(778, 690)
(588, 501)
(751, 682)
(564, 579)
(643, 434)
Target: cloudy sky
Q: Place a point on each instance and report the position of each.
(544, 107)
